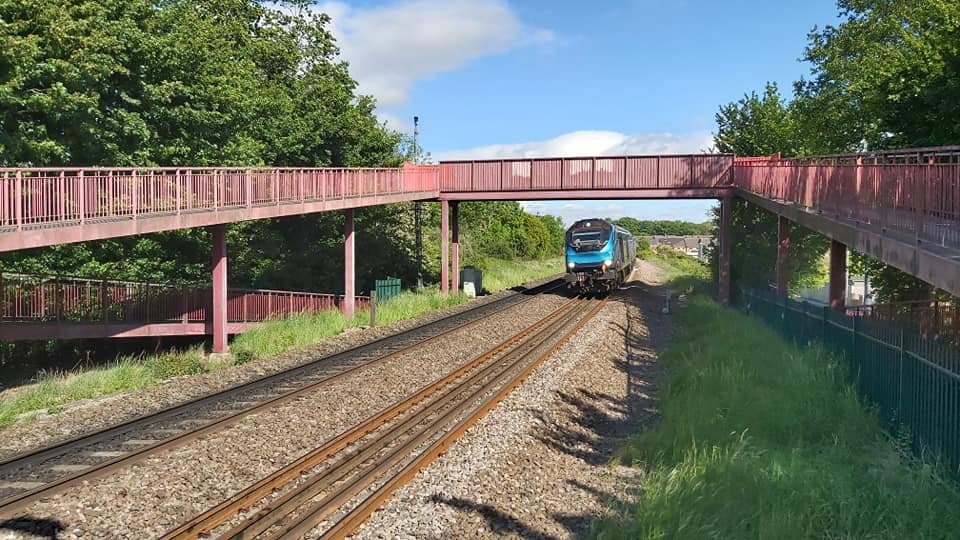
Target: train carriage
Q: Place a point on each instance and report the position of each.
(599, 255)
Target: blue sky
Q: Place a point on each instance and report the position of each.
(491, 78)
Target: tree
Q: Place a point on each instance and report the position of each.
(759, 126)
(887, 77)
(187, 82)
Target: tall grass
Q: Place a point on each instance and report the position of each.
(760, 439)
(54, 390)
(500, 274)
(275, 337)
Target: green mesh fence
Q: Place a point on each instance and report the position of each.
(912, 379)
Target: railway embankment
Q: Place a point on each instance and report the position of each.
(758, 438)
(273, 346)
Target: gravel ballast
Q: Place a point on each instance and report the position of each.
(91, 414)
(539, 464)
(149, 498)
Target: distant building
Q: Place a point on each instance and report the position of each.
(694, 246)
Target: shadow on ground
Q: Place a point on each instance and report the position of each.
(598, 420)
(44, 528)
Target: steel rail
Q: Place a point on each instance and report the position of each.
(349, 523)
(204, 523)
(12, 504)
(279, 511)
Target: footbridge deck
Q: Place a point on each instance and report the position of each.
(901, 207)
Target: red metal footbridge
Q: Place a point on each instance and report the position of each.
(900, 207)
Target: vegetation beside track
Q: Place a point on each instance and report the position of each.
(760, 439)
(54, 390)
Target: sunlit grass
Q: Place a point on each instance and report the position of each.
(761, 439)
(55, 390)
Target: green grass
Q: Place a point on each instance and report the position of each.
(683, 272)
(760, 439)
(55, 390)
(500, 274)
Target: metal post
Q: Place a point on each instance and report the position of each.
(349, 300)
(444, 240)
(18, 199)
(838, 275)
(723, 272)
(103, 301)
(783, 256)
(418, 236)
(219, 278)
(373, 308)
(455, 246)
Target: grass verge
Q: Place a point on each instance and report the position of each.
(760, 439)
(55, 390)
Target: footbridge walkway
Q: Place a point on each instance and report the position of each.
(901, 207)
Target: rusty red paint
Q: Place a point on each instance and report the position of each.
(45, 206)
(29, 303)
(588, 173)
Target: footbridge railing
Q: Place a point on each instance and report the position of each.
(28, 302)
(45, 206)
(913, 193)
(599, 174)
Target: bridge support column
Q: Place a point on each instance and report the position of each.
(783, 256)
(444, 240)
(838, 275)
(349, 299)
(219, 279)
(455, 247)
(723, 260)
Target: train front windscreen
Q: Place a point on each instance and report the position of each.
(588, 235)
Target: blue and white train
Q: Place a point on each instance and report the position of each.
(600, 255)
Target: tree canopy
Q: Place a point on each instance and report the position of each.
(887, 76)
(215, 82)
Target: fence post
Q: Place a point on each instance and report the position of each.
(826, 321)
(18, 199)
(853, 349)
(373, 308)
(900, 349)
(147, 305)
(81, 196)
(103, 301)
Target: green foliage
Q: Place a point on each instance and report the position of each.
(888, 284)
(759, 439)
(888, 76)
(759, 126)
(641, 227)
(753, 260)
(177, 82)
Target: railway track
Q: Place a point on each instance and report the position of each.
(31, 476)
(342, 482)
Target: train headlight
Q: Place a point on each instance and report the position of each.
(570, 265)
(608, 263)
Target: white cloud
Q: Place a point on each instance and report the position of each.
(589, 143)
(391, 47)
